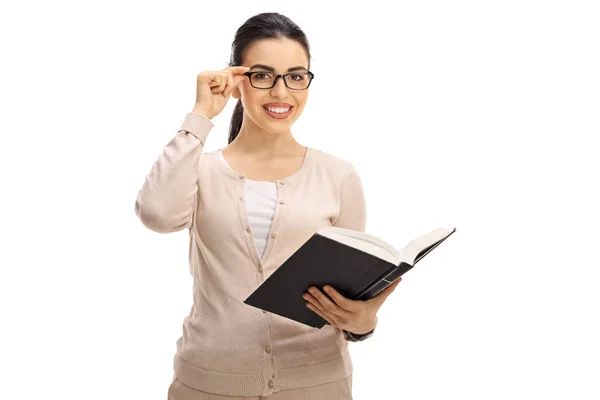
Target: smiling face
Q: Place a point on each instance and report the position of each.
(281, 55)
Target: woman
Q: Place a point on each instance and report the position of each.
(248, 207)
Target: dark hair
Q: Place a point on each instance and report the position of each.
(261, 26)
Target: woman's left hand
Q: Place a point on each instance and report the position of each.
(356, 316)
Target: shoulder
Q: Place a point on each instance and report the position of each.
(207, 156)
(333, 164)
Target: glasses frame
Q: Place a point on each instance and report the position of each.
(277, 76)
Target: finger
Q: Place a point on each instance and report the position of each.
(388, 290)
(240, 69)
(343, 302)
(219, 83)
(213, 78)
(215, 85)
(322, 314)
(329, 305)
(238, 73)
(238, 78)
(383, 295)
(314, 302)
(222, 80)
(229, 87)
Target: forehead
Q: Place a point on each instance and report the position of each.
(278, 53)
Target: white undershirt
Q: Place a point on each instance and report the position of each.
(261, 200)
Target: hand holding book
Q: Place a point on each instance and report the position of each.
(359, 266)
(356, 316)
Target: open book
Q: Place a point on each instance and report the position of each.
(357, 264)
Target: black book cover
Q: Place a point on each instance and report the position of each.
(355, 274)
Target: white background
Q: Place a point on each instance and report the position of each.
(482, 116)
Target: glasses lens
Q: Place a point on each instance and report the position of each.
(264, 80)
(299, 80)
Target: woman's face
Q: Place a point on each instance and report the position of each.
(281, 55)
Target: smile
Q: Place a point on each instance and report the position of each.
(278, 112)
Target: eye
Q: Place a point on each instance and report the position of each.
(300, 77)
(263, 76)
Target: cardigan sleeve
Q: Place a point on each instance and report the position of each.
(167, 199)
(353, 210)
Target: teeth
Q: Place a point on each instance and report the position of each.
(278, 110)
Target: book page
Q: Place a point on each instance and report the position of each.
(362, 241)
(415, 246)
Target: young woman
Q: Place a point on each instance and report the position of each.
(248, 207)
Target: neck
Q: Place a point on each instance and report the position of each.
(252, 139)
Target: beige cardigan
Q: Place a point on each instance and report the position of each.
(228, 347)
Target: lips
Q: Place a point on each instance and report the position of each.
(277, 105)
(278, 115)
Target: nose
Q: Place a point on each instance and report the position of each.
(279, 90)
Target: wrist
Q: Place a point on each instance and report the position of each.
(355, 337)
(367, 328)
(202, 112)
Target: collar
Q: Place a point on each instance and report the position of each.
(288, 180)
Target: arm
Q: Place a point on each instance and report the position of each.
(353, 211)
(167, 199)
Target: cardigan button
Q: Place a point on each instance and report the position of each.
(260, 268)
(271, 383)
(248, 229)
(281, 201)
(274, 234)
(282, 182)
(268, 349)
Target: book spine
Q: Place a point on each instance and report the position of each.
(384, 282)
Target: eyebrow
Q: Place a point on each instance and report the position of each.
(261, 66)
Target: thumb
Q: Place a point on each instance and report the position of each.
(238, 78)
(238, 69)
(387, 291)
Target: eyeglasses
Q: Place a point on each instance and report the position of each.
(267, 80)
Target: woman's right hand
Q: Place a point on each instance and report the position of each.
(213, 89)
